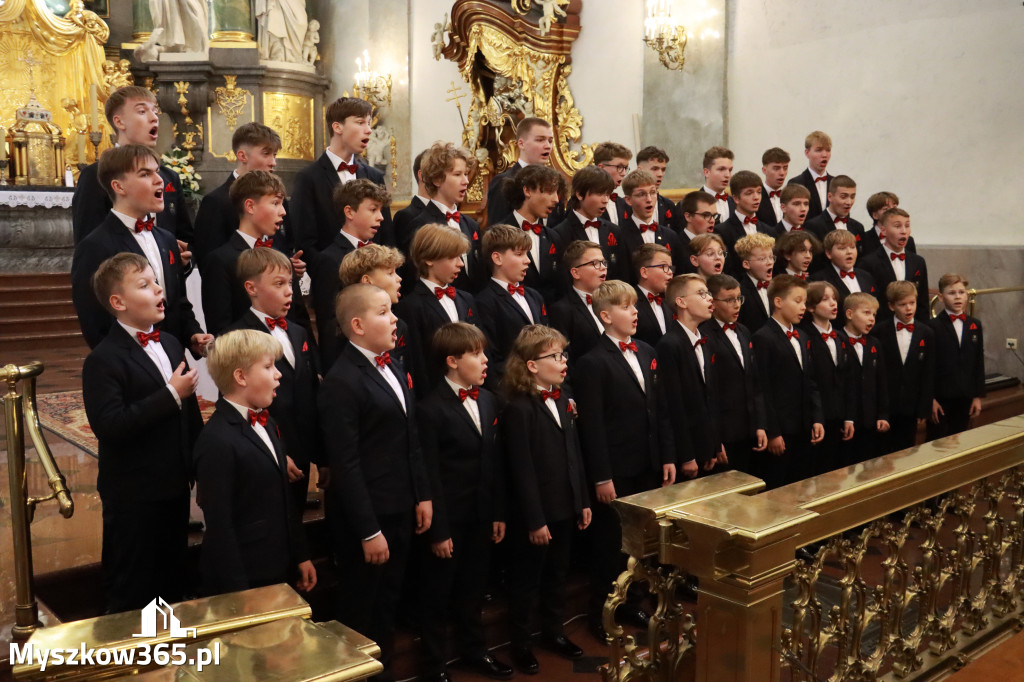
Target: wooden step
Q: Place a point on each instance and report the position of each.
(33, 309)
(38, 325)
(48, 340)
(36, 279)
(10, 293)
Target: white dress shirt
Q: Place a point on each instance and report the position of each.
(352, 239)
(776, 201)
(903, 337)
(659, 312)
(631, 360)
(593, 234)
(534, 239)
(250, 241)
(857, 347)
(386, 372)
(518, 298)
(344, 176)
(590, 307)
(279, 334)
(147, 242)
(787, 226)
(157, 354)
(646, 235)
(749, 228)
(551, 405)
(794, 342)
(613, 209)
(469, 404)
(832, 217)
(694, 338)
(734, 339)
(721, 205)
(899, 266)
(762, 293)
(821, 187)
(447, 303)
(852, 284)
(958, 327)
(454, 224)
(831, 343)
(260, 430)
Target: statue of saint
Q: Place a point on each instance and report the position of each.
(282, 30)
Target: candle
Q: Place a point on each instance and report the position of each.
(81, 148)
(94, 118)
(3, 144)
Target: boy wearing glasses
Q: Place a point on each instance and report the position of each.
(707, 255)
(774, 167)
(613, 158)
(746, 190)
(574, 315)
(697, 216)
(589, 195)
(737, 390)
(795, 204)
(654, 270)
(756, 253)
(641, 227)
(717, 173)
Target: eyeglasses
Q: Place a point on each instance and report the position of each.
(653, 194)
(703, 293)
(713, 254)
(709, 216)
(598, 264)
(563, 356)
(620, 167)
(735, 300)
(762, 259)
(667, 268)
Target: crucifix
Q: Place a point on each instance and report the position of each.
(456, 94)
(31, 61)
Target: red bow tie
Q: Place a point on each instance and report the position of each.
(553, 395)
(774, 193)
(721, 197)
(532, 227)
(894, 256)
(266, 242)
(750, 220)
(847, 273)
(276, 322)
(590, 299)
(360, 244)
(471, 393)
(854, 340)
(700, 342)
(623, 346)
(146, 224)
(350, 167)
(145, 338)
(517, 289)
(592, 223)
(909, 327)
(441, 292)
(655, 298)
(825, 336)
(649, 226)
(454, 215)
(763, 284)
(258, 417)
(793, 335)
(823, 178)
(798, 228)
(839, 220)
(383, 360)
(729, 325)
(801, 275)
(962, 317)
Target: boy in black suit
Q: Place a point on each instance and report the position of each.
(739, 405)
(696, 216)
(533, 193)
(590, 192)
(872, 386)
(613, 158)
(535, 139)
(642, 226)
(254, 535)
(818, 150)
(458, 435)
(909, 350)
(266, 275)
(446, 171)
(794, 252)
(378, 265)
(437, 252)
(131, 112)
(504, 305)
(316, 214)
(131, 178)
(378, 492)
(842, 192)
(746, 191)
(795, 206)
(139, 396)
(655, 160)
(775, 168)
(756, 253)
(537, 429)
(403, 218)
(707, 255)
(877, 204)
(841, 251)
(792, 403)
(654, 270)
(624, 433)
(718, 162)
(362, 204)
(959, 361)
(893, 262)
(575, 315)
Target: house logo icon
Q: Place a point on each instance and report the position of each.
(158, 615)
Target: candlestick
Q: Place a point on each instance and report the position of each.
(96, 137)
(94, 118)
(81, 148)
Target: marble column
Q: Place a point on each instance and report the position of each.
(142, 21)
(231, 21)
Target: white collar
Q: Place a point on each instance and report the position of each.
(249, 241)
(128, 221)
(822, 329)
(337, 160)
(784, 327)
(242, 410)
(454, 386)
(133, 332)
(368, 354)
(584, 219)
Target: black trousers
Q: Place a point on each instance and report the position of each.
(741, 455)
(902, 433)
(367, 596)
(955, 420)
(468, 569)
(865, 444)
(144, 555)
(827, 455)
(778, 470)
(538, 571)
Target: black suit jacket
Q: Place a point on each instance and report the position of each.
(694, 430)
(372, 444)
(478, 270)
(422, 312)
(872, 384)
(467, 474)
(315, 219)
(829, 274)
(911, 382)
(879, 265)
(731, 231)
(765, 212)
(294, 407)
(791, 399)
(545, 467)
(110, 238)
(91, 204)
(752, 313)
(647, 328)
(807, 181)
(323, 289)
(501, 318)
(145, 439)
(572, 317)
(544, 276)
(497, 206)
(571, 230)
(739, 404)
(821, 225)
(624, 429)
(253, 535)
(731, 202)
(872, 243)
(403, 223)
(959, 365)
(632, 239)
(224, 297)
(836, 379)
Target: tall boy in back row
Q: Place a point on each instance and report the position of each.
(590, 193)
(774, 167)
(718, 162)
(642, 226)
(818, 150)
(535, 139)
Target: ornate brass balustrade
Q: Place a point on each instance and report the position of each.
(920, 568)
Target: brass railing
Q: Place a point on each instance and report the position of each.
(972, 295)
(920, 568)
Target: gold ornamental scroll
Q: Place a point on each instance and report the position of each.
(69, 50)
(292, 117)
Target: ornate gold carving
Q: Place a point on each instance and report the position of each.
(117, 75)
(188, 137)
(394, 162)
(231, 100)
(292, 117)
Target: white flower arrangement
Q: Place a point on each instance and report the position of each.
(180, 161)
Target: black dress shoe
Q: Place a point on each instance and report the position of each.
(597, 630)
(562, 646)
(632, 615)
(524, 659)
(489, 666)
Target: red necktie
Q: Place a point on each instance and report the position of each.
(276, 322)
(729, 325)
(592, 223)
(623, 346)
(532, 227)
(516, 289)
(825, 336)
(146, 224)
(553, 395)
(471, 393)
(721, 197)
(145, 338)
(793, 335)
(847, 273)
(909, 327)
(441, 292)
(265, 242)
(894, 256)
(840, 220)
(700, 342)
(258, 417)
(655, 298)
(823, 178)
(383, 360)
(763, 285)
(590, 299)
(962, 317)
(854, 340)
(650, 226)
(350, 167)
(360, 244)
(774, 193)
(750, 220)
(455, 215)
